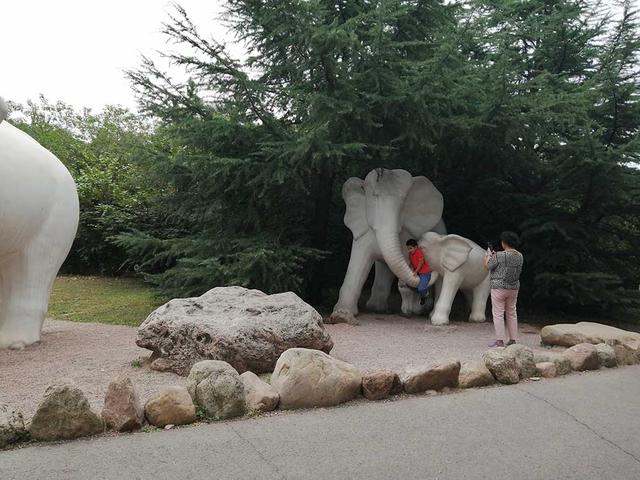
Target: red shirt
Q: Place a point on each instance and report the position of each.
(416, 256)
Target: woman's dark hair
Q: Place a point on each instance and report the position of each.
(412, 243)
(510, 238)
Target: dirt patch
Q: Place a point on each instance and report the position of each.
(396, 342)
(91, 355)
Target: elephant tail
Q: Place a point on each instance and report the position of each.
(4, 111)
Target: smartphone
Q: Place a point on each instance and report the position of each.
(489, 248)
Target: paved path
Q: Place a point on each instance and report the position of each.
(579, 427)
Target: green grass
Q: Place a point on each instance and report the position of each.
(115, 301)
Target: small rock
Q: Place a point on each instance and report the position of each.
(475, 374)
(377, 385)
(307, 378)
(627, 353)
(535, 379)
(563, 365)
(259, 396)
(217, 388)
(64, 413)
(546, 369)
(431, 393)
(172, 406)
(583, 356)
(524, 359)
(163, 364)
(122, 408)
(502, 365)
(607, 355)
(12, 427)
(436, 377)
(169, 427)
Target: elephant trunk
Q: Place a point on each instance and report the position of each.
(389, 243)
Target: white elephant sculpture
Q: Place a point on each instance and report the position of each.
(382, 211)
(38, 222)
(459, 263)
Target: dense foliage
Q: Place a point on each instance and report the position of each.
(525, 115)
(100, 151)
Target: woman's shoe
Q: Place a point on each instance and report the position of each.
(511, 342)
(497, 343)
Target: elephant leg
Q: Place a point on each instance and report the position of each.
(26, 278)
(381, 288)
(25, 297)
(479, 304)
(450, 284)
(360, 264)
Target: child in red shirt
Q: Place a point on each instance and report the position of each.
(420, 267)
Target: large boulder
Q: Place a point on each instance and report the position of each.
(246, 328)
(524, 360)
(122, 408)
(310, 378)
(503, 365)
(474, 374)
(583, 356)
(562, 363)
(378, 385)
(12, 428)
(259, 396)
(172, 406)
(607, 355)
(64, 413)
(435, 377)
(568, 334)
(216, 387)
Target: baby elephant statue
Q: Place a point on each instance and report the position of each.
(459, 263)
(38, 222)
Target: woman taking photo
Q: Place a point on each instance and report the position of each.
(505, 268)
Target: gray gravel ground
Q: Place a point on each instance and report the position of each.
(91, 355)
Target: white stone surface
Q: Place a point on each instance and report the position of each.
(459, 262)
(382, 212)
(38, 221)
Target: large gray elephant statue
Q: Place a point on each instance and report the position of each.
(382, 211)
(459, 263)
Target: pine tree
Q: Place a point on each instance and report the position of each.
(524, 114)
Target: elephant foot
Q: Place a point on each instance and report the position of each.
(477, 318)
(439, 320)
(342, 316)
(17, 344)
(18, 337)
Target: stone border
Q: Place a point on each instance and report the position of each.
(302, 378)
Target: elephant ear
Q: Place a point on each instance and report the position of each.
(355, 217)
(455, 251)
(422, 208)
